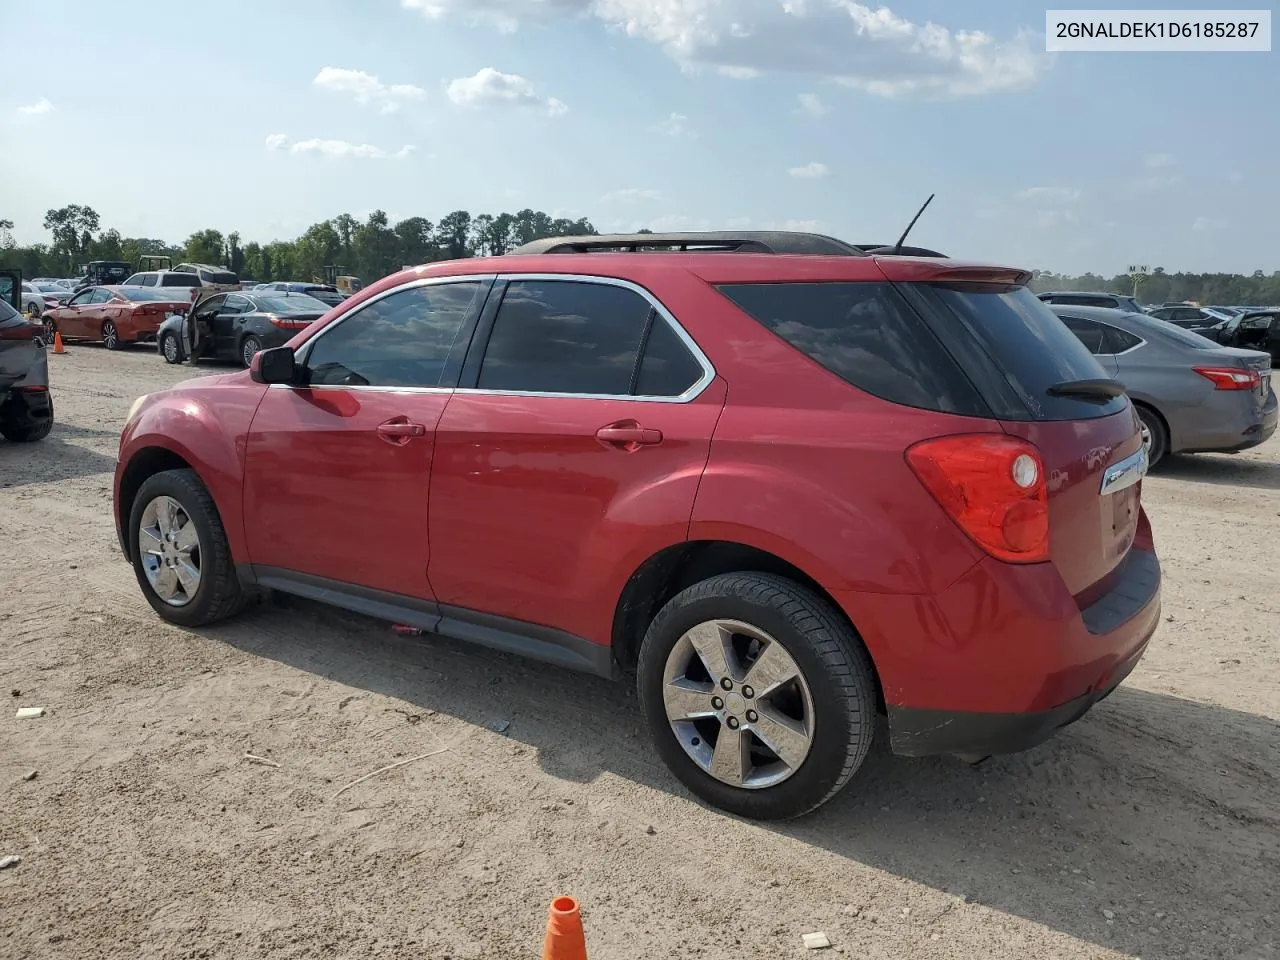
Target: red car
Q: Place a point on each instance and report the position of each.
(789, 481)
(115, 315)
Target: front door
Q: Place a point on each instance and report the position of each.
(338, 467)
(79, 315)
(554, 479)
(205, 315)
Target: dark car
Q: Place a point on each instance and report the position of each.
(26, 406)
(1193, 395)
(238, 325)
(1083, 298)
(325, 293)
(782, 480)
(1254, 328)
(102, 273)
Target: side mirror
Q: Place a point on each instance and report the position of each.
(276, 365)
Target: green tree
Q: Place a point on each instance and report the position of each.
(72, 228)
(205, 246)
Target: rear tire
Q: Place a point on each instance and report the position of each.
(110, 335)
(219, 594)
(249, 347)
(1155, 435)
(832, 703)
(20, 427)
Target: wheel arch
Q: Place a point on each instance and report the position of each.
(1142, 403)
(144, 464)
(679, 566)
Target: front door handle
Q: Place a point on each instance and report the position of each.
(400, 431)
(629, 435)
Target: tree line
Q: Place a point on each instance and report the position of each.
(369, 249)
(375, 247)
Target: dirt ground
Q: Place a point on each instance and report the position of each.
(1149, 829)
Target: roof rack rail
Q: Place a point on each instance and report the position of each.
(716, 241)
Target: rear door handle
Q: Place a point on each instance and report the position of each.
(400, 431)
(628, 435)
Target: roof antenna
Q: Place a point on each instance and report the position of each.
(903, 239)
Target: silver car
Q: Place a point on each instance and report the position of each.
(1193, 395)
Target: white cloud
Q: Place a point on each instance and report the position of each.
(676, 125)
(870, 48)
(812, 105)
(35, 109)
(631, 195)
(490, 87)
(366, 89)
(336, 148)
(1050, 194)
(810, 171)
(1159, 161)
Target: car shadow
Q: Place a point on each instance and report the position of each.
(50, 460)
(1148, 792)
(1224, 469)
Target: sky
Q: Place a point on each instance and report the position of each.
(266, 116)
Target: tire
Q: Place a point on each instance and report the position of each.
(50, 328)
(249, 346)
(1155, 435)
(34, 311)
(25, 429)
(833, 666)
(218, 594)
(170, 348)
(110, 335)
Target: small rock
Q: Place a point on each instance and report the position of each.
(1160, 914)
(501, 726)
(74, 567)
(1109, 914)
(1169, 618)
(31, 775)
(10, 861)
(459, 844)
(935, 936)
(15, 692)
(816, 941)
(774, 883)
(852, 910)
(906, 911)
(650, 830)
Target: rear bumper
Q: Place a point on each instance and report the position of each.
(1227, 425)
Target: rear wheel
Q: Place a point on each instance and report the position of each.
(759, 697)
(50, 328)
(110, 336)
(169, 348)
(180, 553)
(33, 310)
(1155, 436)
(249, 346)
(17, 425)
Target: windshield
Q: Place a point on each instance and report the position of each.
(1176, 334)
(177, 279)
(50, 288)
(291, 303)
(138, 294)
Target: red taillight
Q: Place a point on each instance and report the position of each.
(22, 331)
(288, 323)
(1230, 378)
(993, 487)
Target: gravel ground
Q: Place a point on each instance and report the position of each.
(1149, 829)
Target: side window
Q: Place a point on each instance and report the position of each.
(564, 336)
(81, 298)
(148, 279)
(667, 368)
(1088, 332)
(402, 340)
(1116, 340)
(133, 281)
(210, 308)
(101, 295)
(234, 304)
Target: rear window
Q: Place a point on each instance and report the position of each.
(218, 277)
(179, 280)
(331, 297)
(972, 350)
(291, 303)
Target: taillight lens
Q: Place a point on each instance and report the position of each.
(1230, 378)
(22, 331)
(993, 487)
(288, 323)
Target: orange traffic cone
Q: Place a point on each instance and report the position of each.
(564, 939)
(57, 342)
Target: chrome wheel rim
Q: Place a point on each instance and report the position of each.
(738, 704)
(109, 335)
(170, 547)
(1146, 439)
(49, 330)
(249, 349)
(171, 348)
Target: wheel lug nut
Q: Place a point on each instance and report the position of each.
(726, 683)
(752, 716)
(717, 703)
(748, 692)
(733, 723)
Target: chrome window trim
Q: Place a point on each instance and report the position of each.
(304, 351)
(1102, 323)
(692, 393)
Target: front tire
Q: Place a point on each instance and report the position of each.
(169, 348)
(771, 666)
(180, 553)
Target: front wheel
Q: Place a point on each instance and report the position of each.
(50, 328)
(110, 336)
(758, 695)
(180, 553)
(249, 347)
(169, 348)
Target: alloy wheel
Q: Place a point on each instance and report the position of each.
(170, 348)
(110, 338)
(738, 704)
(169, 545)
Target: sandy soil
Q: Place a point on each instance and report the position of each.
(1149, 829)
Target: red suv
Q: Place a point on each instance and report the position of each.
(789, 481)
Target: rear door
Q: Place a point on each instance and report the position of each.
(338, 467)
(571, 451)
